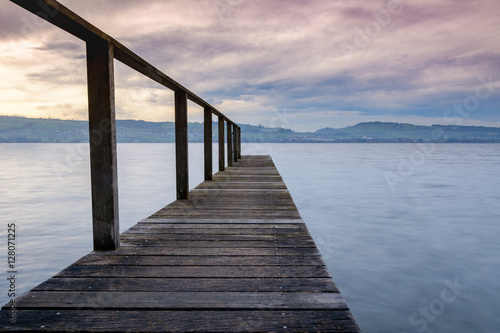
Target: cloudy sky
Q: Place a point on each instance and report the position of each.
(300, 64)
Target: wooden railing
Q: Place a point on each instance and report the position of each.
(102, 49)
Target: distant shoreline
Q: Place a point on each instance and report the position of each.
(39, 130)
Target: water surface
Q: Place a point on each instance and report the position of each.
(397, 224)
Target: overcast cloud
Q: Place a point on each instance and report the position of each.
(303, 65)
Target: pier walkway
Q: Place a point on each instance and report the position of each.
(235, 256)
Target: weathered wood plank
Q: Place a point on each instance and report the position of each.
(242, 185)
(222, 229)
(281, 284)
(135, 260)
(209, 221)
(182, 321)
(94, 300)
(205, 251)
(181, 145)
(102, 130)
(269, 238)
(229, 138)
(195, 271)
(150, 241)
(207, 142)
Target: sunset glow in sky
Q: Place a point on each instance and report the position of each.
(299, 64)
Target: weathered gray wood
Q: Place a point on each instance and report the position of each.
(229, 135)
(135, 260)
(213, 232)
(207, 125)
(281, 284)
(222, 163)
(235, 143)
(183, 321)
(189, 221)
(149, 236)
(265, 225)
(102, 130)
(181, 145)
(47, 300)
(242, 251)
(196, 271)
(239, 142)
(243, 185)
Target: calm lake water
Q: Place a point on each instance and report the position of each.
(409, 232)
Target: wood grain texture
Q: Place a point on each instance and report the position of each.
(182, 321)
(235, 256)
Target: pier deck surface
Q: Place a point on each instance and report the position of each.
(235, 257)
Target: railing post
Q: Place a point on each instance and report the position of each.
(207, 125)
(221, 144)
(102, 131)
(229, 144)
(181, 144)
(235, 144)
(239, 142)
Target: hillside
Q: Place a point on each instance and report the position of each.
(19, 129)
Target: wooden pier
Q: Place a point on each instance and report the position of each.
(234, 257)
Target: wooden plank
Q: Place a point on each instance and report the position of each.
(137, 260)
(221, 204)
(170, 251)
(247, 178)
(239, 142)
(207, 142)
(199, 237)
(248, 171)
(243, 185)
(47, 300)
(210, 221)
(229, 138)
(281, 284)
(264, 225)
(138, 240)
(195, 271)
(216, 237)
(269, 225)
(183, 321)
(102, 130)
(235, 143)
(181, 145)
(249, 213)
(221, 144)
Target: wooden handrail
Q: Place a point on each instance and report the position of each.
(101, 50)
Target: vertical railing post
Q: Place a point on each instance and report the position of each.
(221, 144)
(239, 142)
(229, 144)
(235, 144)
(181, 144)
(102, 131)
(207, 125)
